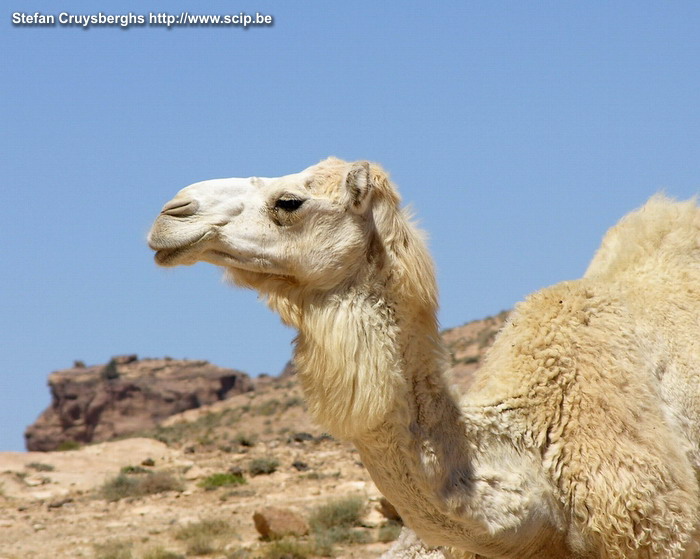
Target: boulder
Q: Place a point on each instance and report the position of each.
(273, 523)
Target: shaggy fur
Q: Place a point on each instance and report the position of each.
(579, 437)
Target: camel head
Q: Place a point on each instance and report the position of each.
(313, 230)
(332, 252)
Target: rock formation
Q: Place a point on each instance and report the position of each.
(128, 395)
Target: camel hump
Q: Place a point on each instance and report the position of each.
(664, 233)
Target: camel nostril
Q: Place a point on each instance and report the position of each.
(180, 208)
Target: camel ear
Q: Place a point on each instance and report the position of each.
(359, 186)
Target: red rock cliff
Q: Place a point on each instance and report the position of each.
(128, 395)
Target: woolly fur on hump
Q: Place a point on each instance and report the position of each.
(600, 374)
(663, 230)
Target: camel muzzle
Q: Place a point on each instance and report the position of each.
(180, 208)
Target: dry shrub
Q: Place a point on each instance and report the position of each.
(287, 549)
(222, 479)
(113, 549)
(125, 485)
(260, 466)
(389, 532)
(336, 522)
(161, 553)
(204, 537)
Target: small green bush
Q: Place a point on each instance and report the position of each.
(113, 549)
(345, 512)
(160, 482)
(269, 407)
(223, 479)
(335, 522)
(124, 485)
(260, 466)
(119, 487)
(203, 429)
(389, 532)
(68, 445)
(212, 527)
(287, 549)
(327, 538)
(311, 475)
(293, 401)
(110, 371)
(161, 553)
(134, 470)
(201, 545)
(244, 439)
(41, 467)
(204, 537)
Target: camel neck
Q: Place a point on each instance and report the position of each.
(374, 375)
(363, 362)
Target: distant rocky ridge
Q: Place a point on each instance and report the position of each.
(128, 396)
(125, 396)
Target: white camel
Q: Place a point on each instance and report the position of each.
(579, 437)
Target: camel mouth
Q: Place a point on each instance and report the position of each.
(169, 257)
(174, 255)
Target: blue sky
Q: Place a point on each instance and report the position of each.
(518, 131)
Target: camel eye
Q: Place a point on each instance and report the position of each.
(289, 204)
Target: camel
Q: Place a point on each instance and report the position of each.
(579, 435)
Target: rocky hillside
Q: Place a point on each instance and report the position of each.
(127, 395)
(248, 476)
